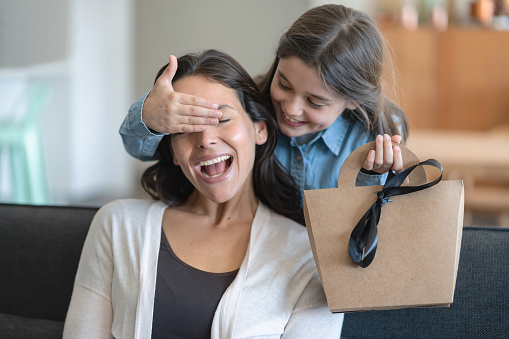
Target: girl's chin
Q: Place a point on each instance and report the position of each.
(290, 132)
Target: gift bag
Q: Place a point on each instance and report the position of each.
(391, 246)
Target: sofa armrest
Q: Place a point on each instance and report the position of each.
(40, 248)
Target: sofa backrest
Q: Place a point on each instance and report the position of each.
(40, 248)
(481, 299)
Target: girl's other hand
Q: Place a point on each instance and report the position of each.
(385, 157)
(167, 111)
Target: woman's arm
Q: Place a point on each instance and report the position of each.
(311, 317)
(90, 313)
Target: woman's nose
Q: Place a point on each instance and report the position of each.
(207, 137)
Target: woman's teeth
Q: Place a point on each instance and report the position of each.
(214, 168)
(214, 161)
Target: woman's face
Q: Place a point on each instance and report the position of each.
(218, 161)
(303, 105)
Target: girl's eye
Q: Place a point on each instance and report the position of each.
(224, 120)
(283, 86)
(315, 106)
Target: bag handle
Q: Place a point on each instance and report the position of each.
(355, 161)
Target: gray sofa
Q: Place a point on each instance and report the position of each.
(40, 248)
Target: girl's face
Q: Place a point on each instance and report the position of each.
(303, 105)
(218, 161)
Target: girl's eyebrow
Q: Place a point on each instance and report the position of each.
(310, 94)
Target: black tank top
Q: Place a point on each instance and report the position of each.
(186, 298)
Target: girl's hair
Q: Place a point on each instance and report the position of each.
(273, 186)
(350, 55)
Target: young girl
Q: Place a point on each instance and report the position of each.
(327, 94)
(209, 259)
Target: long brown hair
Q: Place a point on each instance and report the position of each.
(272, 184)
(350, 55)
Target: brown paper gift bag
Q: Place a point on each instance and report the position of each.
(419, 238)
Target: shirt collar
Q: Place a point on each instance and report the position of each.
(333, 136)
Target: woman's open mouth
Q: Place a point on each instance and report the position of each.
(216, 167)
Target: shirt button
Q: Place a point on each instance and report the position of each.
(299, 157)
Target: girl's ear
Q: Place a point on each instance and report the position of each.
(261, 132)
(351, 105)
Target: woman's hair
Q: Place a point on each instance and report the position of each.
(350, 55)
(273, 186)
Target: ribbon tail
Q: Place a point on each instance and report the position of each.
(364, 238)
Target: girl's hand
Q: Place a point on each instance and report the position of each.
(385, 157)
(167, 111)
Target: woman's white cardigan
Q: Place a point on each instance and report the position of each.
(277, 292)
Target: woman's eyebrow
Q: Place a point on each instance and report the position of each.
(224, 106)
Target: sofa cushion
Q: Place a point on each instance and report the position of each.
(16, 327)
(480, 308)
(40, 247)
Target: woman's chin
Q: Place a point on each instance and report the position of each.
(219, 197)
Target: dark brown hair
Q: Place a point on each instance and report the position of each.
(350, 55)
(272, 184)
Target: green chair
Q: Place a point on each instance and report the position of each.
(20, 136)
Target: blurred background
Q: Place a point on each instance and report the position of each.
(69, 70)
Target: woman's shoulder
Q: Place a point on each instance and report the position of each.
(124, 211)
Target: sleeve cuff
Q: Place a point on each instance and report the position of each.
(136, 124)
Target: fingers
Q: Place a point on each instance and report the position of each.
(370, 159)
(193, 101)
(397, 164)
(385, 157)
(396, 139)
(166, 78)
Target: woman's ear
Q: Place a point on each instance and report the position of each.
(175, 161)
(261, 132)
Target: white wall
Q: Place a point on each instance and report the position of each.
(248, 30)
(85, 49)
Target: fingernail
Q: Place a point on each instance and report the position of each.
(218, 114)
(215, 106)
(371, 153)
(387, 137)
(214, 121)
(396, 148)
(379, 137)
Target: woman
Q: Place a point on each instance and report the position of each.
(208, 258)
(327, 93)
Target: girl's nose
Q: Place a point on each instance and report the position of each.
(293, 107)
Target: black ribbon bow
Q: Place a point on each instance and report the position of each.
(364, 237)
